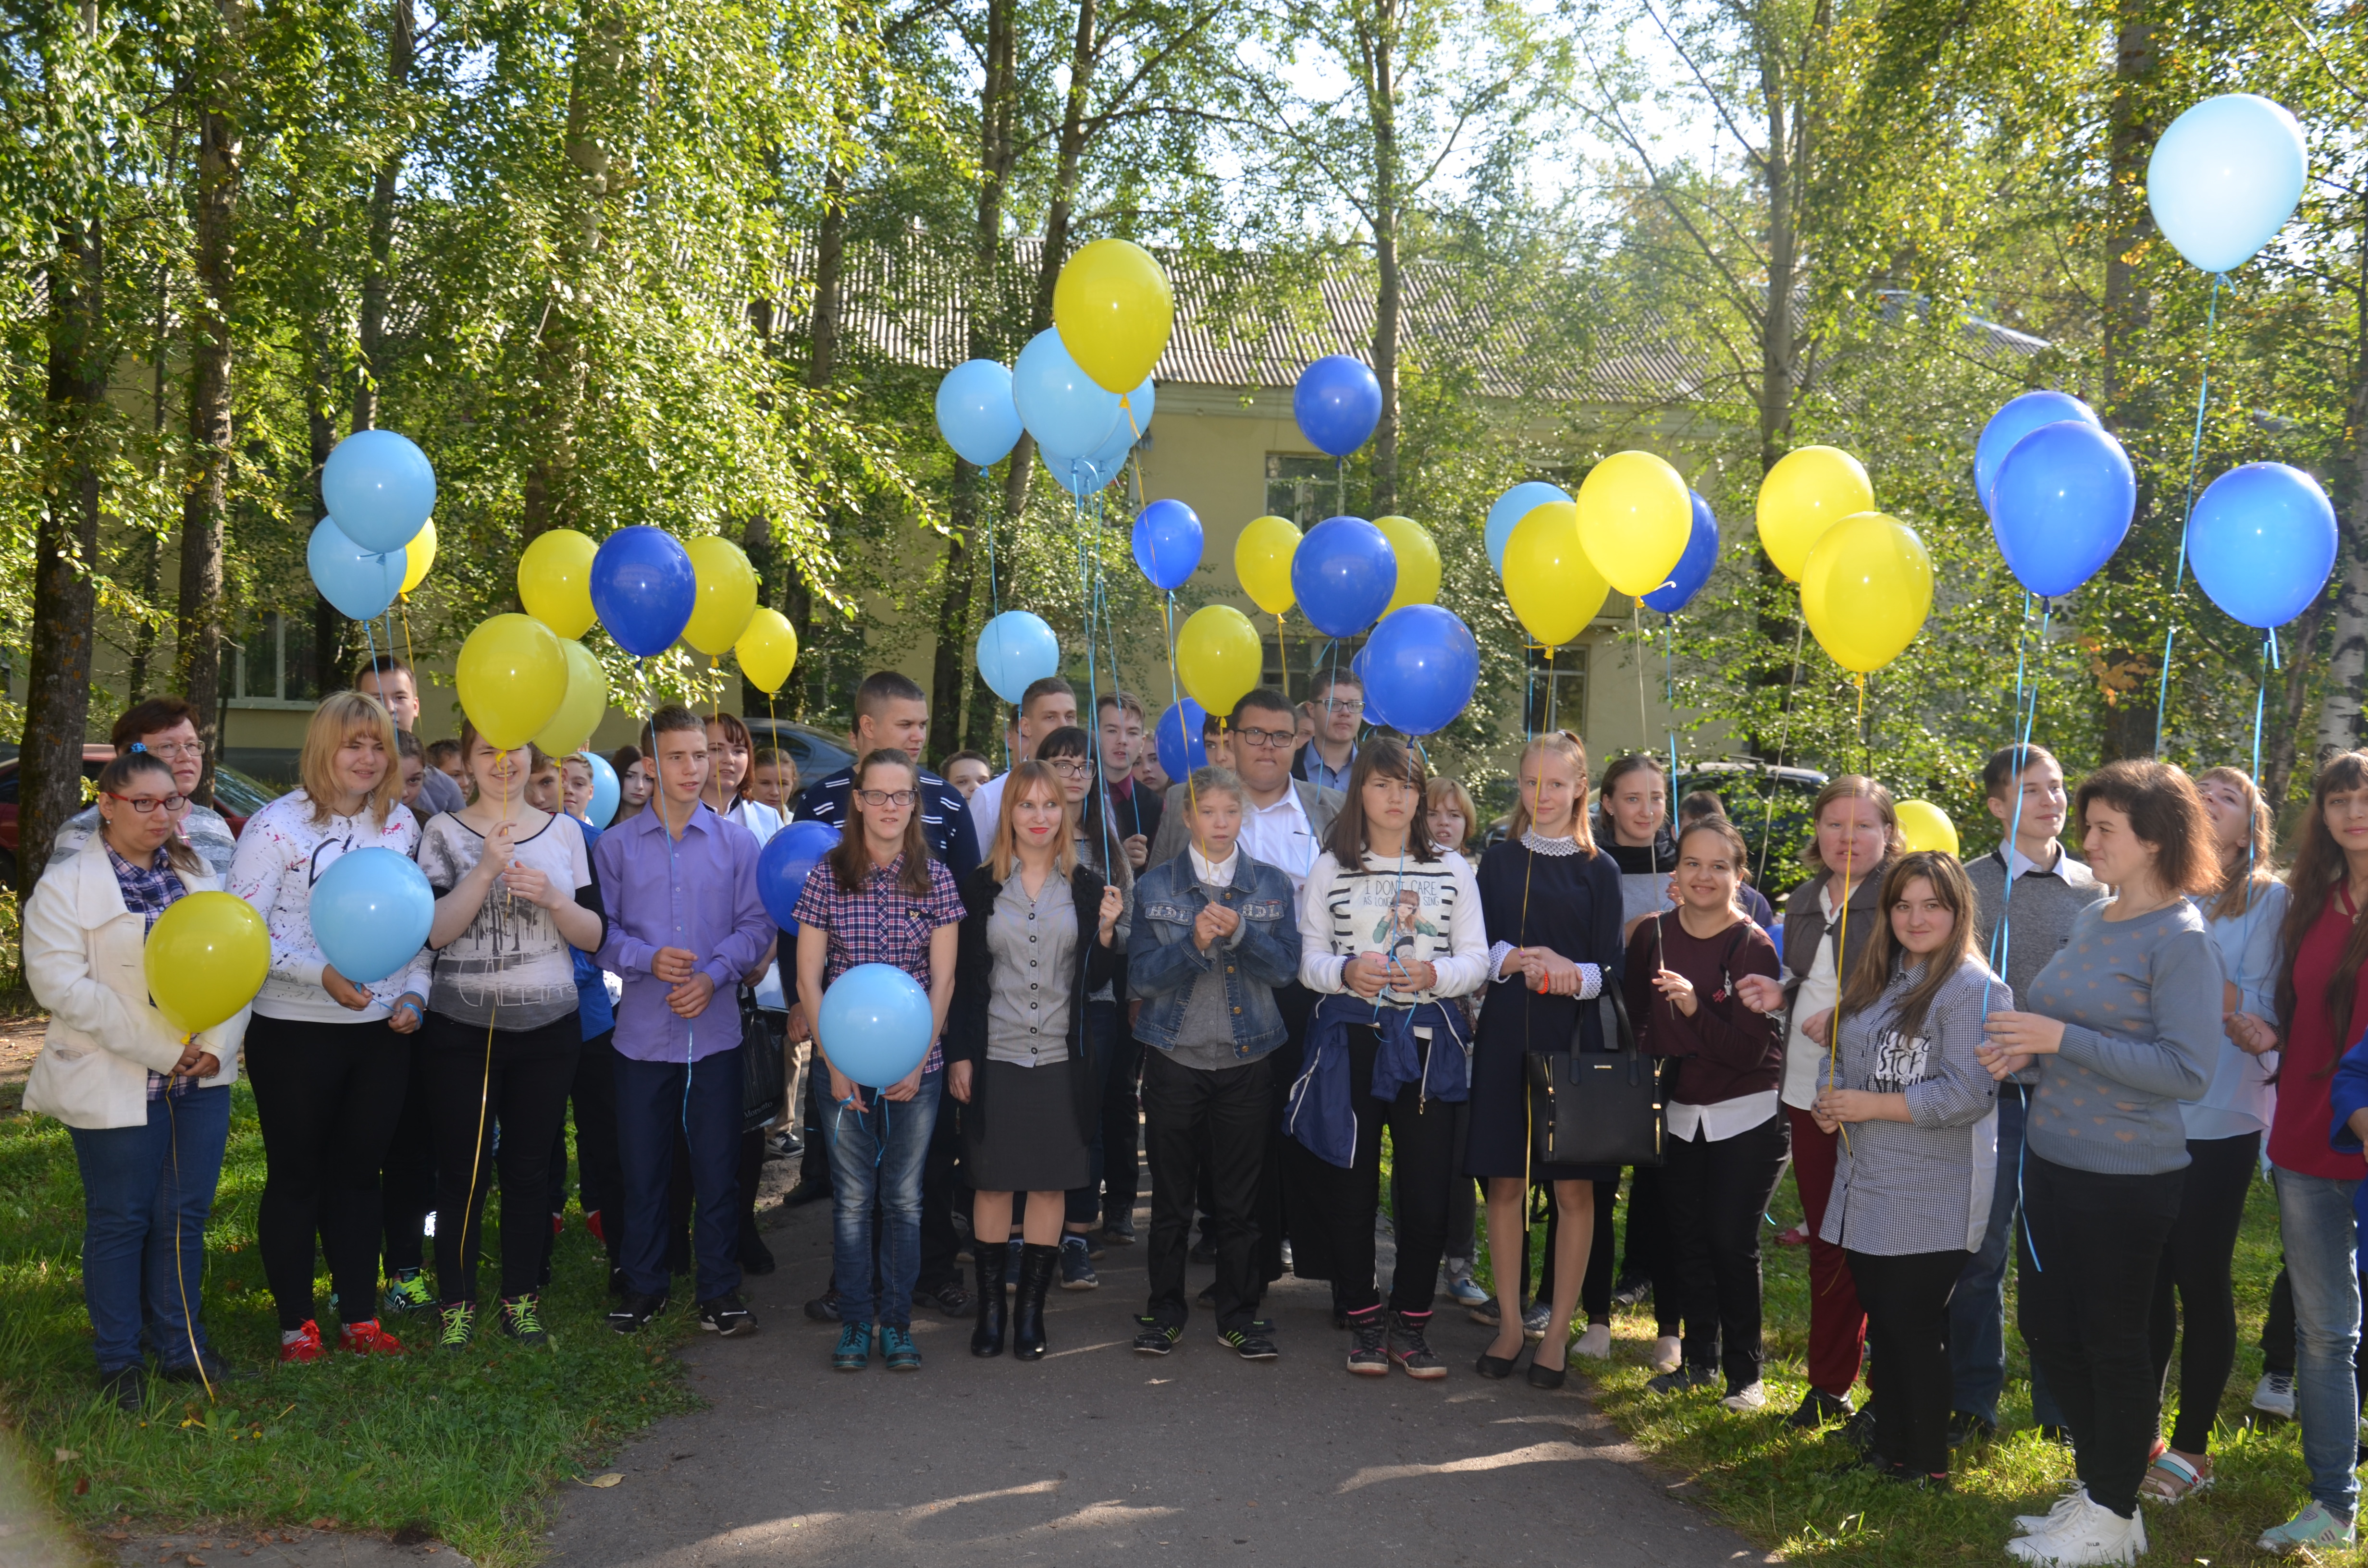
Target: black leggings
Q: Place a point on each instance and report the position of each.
(1909, 1383)
(2195, 1264)
(328, 1096)
(518, 1080)
(1422, 1145)
(1713, 1195)
(408, 1194)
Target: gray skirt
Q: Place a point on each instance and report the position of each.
(1024, 1136)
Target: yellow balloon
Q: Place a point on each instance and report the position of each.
(1262, 560)
(1419, 569)
(1114, 310)
(1635, 517)
(1552, 586)
(419, 555)
(582, 709)
(767, 651)
(1866, 589)
(554, 581)
(727, 593)
(513, 675)
(1807, 492)
(1926, 826)
(205, 959)
(1219, 657)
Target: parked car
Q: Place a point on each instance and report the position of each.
(817, 753)
(236, 796)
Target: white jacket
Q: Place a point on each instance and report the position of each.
(82, 962)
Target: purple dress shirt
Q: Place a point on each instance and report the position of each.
(699, 892)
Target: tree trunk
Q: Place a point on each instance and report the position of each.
(65, 553)
(1784, 174)
(2347, 665)
(149, 548)
(328, 626)
(370, 374)
(1383, 107)
(2130, 716)
(954, 618)
(2283, 731)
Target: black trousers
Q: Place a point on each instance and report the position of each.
(329, 1096)
(1279, 1215)
(1223, 1111)
(1122, 1123)
(408, 1195)
(1712, 1196)
(2195, 1265)
(1906, 1302)
(940, 1241)
(1082, 1205)
(519, 1079)
(1345, 1204)
(2090, 1246)
(600, 1179)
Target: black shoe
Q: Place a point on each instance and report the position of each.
(1038, 1267)
(1817, 1408)
(755, 1258)
(1077, 1265)
(125, 1388)
(1858, 1432)
(1254, 1341)
(216, 1370)
(1118, 1231)
(2055, 1434)
(824, 1307)
(1496, 1366)
(784, 1146)
(1685, 1379)
(994, 1312)
(805, 1192)
(1156, 1338)
(1204, 1251)
(949, 1298)
(631, 1314)
(1633, 1292)
(725, 1318)
(1964, 1426)
(616, 1279)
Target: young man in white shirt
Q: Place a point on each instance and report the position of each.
(1047, 705)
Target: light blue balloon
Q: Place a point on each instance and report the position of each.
(975, 414)
(875, 1025)
(1063, 407)
(2062, 505)
(2224, 178)
(379, 487)
(1107, 463)
(2011, 423)
(606, 792)
(371, 912)
(2262, 541)
(361, 583)
(1510, 508)
(1015, 649)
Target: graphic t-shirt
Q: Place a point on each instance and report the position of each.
(511, 968)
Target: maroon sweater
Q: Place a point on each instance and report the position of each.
(1726, 1050)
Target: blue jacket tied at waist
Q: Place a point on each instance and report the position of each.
(1321, 1113)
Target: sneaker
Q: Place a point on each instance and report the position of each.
(125, 1388)
(1535, 1321)
(1595, 1342)
(368, 1339)
(1118, 1231)
(1684, 1379)
(207, 1367)
(824, 1307)
(596, 1225)
(1668, 1351)
(1411, 1346)
(1798, 1236)
(522, 1320)
(1751, 1397)
(558, 1223)
(458, 1320)
(2089, 1534)
(2274, 1395)
(1368, 1355)
(1964, 1426)
(1078, 1266)
(633, 1311)
(1157, 1338)
(897, 1345)
(1817, 1408)
(1252, 1341)
(1484, 1313)
(2065, 1507)
(853, 1352)
(2313, 1527)
(1857, 1430)
(305, 1345)
(406, 1293)
(724, 1316)
(1465, 1291)
(1093, 1240)
(783, 1145)
(949, 1298)
(1633, 1292)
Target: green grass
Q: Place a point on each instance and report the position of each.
(468, 1446)
(1792, 1492)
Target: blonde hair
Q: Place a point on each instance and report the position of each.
(1566, 745)
(1451, 794)
(1003, 858)
(1857, 787)
(2247, 871)
(340, 717)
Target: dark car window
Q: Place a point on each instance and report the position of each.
(8, 789)
(238, 794)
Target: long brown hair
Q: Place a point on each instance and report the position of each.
(851, 857)
(116, 775)
(1391, 758)
(1568, 747)
(1882, 958)
(2320, 867)
(1002, 856)
(2247, 870)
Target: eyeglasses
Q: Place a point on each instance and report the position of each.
(183, 748)
(147, 804)
(1070, 767)
(1343, 705)
(1266, 739)
(878, 798)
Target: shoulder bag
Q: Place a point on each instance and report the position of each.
(1598, 1108)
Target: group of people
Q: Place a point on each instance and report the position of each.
(1238, 980)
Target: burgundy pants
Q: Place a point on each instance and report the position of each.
(1837, 1322)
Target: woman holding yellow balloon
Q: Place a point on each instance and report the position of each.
(146, 1103)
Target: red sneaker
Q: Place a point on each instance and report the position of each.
(1798, 1236)
(305, 1347)
(558, 1223)
(368, 1339)
(592, 1223)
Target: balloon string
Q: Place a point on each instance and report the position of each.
(1670, 684)
(180, 1274)
(2186, 514)
(1784, 736)
(1097, 789)
(1841, 942)
(2002, 939)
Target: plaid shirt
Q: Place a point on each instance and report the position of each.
(880, 922)
(148, 892)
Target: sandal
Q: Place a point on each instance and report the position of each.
(2170, 1478)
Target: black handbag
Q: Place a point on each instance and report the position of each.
(762, 1060)
(1598, 1108)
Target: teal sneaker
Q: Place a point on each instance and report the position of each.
(2313, 1527)
(460, 1326)
(406, 1293)
(854, 1352)
(897, 1344)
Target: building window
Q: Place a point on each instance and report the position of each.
(1557, 688)
(272, 665)
(1305, 656)
(1304, 489)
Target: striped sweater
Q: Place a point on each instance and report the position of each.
(1417, 910)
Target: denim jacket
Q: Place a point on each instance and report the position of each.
(1163, 962)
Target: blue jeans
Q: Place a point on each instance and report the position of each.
(652, 1102)
(1977, 1312)
(146, 1191)
(877, 1157)
(2316, 1219)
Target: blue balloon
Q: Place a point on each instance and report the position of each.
(1168, 543)
(2062, 505)
(782, 865)
(975, 414)
(2262, 541)
(371, 912)
(875, 1025)
(1692, 570)
(2011, 423)
(1085, 476)
(1338, 402)
(1506, 513)
(379, 487)
(361, 583)
(643, 589)
(1015, 649)
(1343, 575)
(2225, 178)
(601, 809)
(1181, 749)
(1420, 667)
(1063, 407)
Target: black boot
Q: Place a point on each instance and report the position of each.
(1038, 1267)
(993, 1298)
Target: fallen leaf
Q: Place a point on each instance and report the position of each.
(67, 1456)
(115, 1535)
(611, 1479)
(193, 1560)
(82, 1486)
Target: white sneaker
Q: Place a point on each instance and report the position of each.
(1668, 1351)
(1596, 1341)
(1745, 1400)
(2088, 1537)
(2033, 1524)
(2274, 1395)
